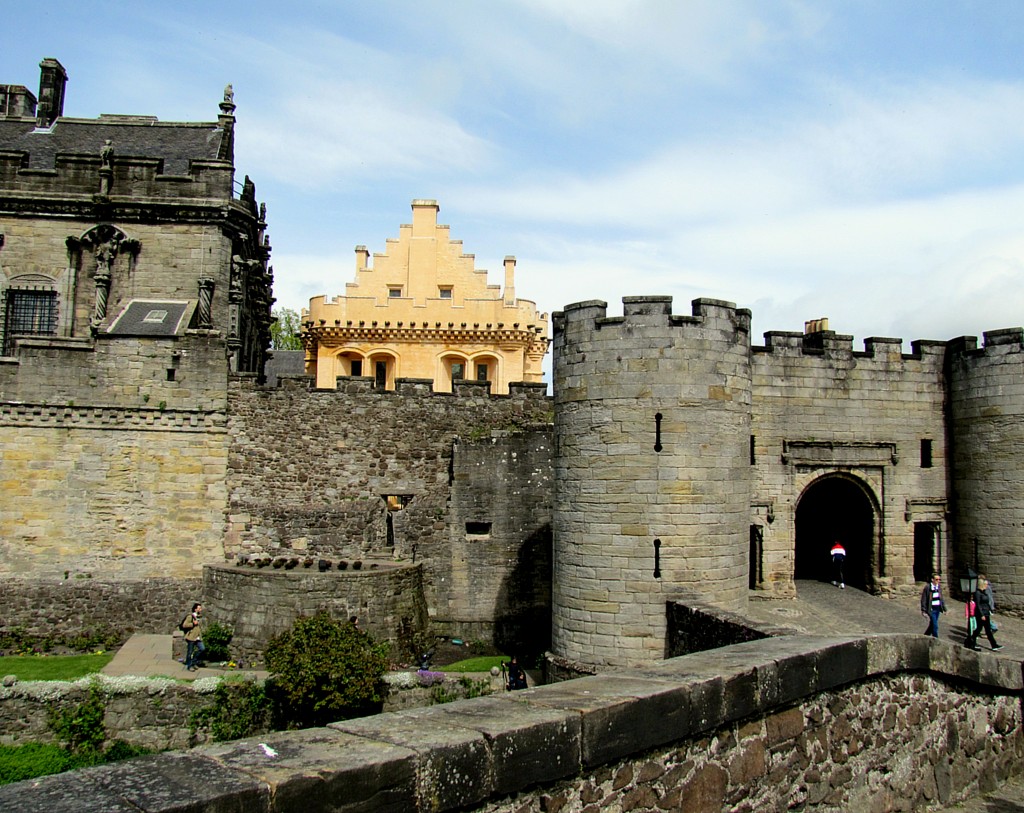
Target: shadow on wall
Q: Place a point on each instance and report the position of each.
(695, 626)
(522, 612)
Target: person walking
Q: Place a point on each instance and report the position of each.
(838, 554)
(983, 616)
(192, 627)
(932, 605)
(991, 602)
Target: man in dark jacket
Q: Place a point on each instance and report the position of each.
(932, 605)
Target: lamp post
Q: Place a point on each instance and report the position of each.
(968, 584)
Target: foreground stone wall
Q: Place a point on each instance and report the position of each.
(880, 723)
(156, 713)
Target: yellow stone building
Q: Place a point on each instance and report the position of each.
(423, 310)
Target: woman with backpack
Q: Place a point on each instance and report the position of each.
(191, 625)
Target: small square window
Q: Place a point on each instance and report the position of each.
(394, 293)
(445, 293)
(926, 453)
(155, 317)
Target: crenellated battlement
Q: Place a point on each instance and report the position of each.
(352, 385)
(995, 343)
(649, 312)
(828, 343)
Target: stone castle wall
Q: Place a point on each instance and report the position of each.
(78, 606)
(311, 471)
(820, 408)
(168, 264)
(258, 604)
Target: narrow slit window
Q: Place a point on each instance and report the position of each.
(657, 432)
(753, 451)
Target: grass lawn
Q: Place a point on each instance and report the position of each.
(53, 667)
(481, 664)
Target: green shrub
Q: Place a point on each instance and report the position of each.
(324, 670)
(216, 638)
(79, 727)
(18, 762)
(239, 709)
(439, 694)
(475, 688)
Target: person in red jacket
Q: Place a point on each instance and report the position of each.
(838, 557)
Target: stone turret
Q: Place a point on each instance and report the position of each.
(986, 416)
(653, 482)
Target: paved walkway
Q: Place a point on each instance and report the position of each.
(150, 656)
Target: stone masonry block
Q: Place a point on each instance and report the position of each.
(529, 744)
(181, 781)
(69, 793)
(453, 765)
(619, 715)
(320, 769)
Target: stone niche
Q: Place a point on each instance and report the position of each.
(259, 603)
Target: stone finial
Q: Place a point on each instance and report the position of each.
(227, 107)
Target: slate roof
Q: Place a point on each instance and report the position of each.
(138, 136)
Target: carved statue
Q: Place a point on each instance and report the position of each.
(107, 154)
(229, 94)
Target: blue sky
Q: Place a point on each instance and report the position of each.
(856, 161)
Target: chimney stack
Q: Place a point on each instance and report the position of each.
(53, 80)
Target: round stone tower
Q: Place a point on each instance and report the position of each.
(652, 471)
(986, 428)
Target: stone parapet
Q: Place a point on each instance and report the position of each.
(825, 723)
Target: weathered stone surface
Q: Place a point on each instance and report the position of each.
(619, 715)
(322, 769)
(454, 767)
(182, 781)
(68, 793)
(529, 745)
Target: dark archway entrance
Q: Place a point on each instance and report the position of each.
(835, 508)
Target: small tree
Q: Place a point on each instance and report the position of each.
(324, 670)
(285, 329)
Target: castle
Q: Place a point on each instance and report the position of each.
(423, 310)
(145, 463)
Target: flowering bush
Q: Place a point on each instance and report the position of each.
(427, 678)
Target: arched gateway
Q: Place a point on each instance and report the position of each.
(837, 507)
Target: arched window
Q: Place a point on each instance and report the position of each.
(453, 368)
(383, 368)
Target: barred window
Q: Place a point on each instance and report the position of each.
(28, 312)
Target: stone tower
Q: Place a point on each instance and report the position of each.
(986, 423)
(652, 471)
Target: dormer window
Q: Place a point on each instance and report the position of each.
(155, 317)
